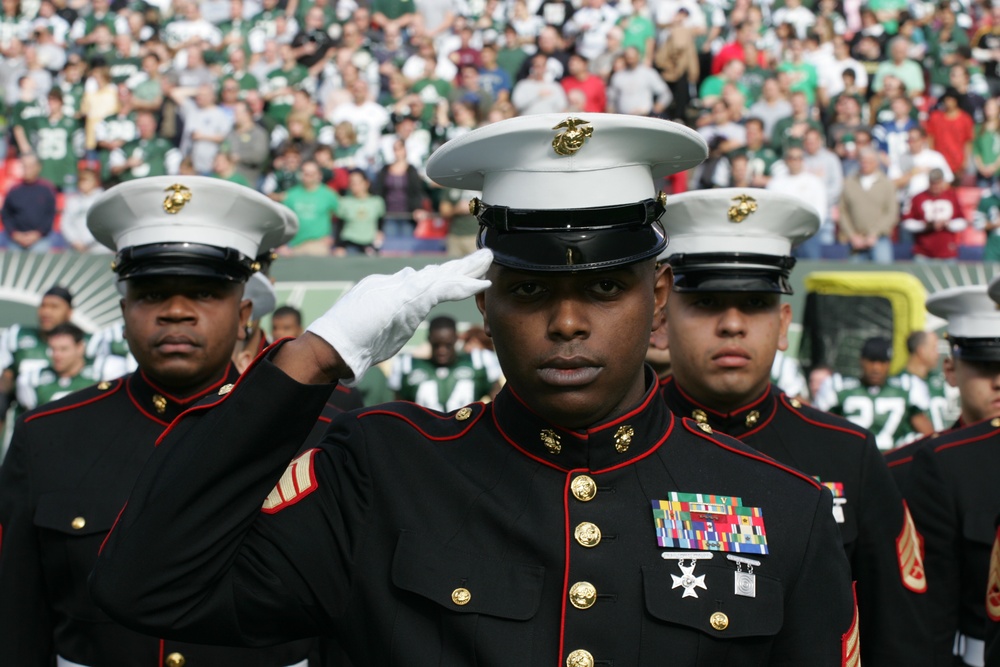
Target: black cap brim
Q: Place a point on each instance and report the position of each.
(731, 272)
(183, 259)
(584, 250)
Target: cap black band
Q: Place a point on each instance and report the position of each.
(598, 218)
(731, 272)
(975, 349)
(572, 239)
(183, 259)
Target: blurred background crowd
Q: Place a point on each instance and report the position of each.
(883, 114)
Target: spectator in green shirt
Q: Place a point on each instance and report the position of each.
(224, 167)
(909, 72)
(315, 204)
(361, 214)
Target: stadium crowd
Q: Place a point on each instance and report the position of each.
(333, 107)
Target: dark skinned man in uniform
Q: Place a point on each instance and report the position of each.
(952, 485)
(993, 580)
(550, 526)
(730, 251)
(977, 380)
(72, 463)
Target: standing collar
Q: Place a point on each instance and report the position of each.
(741, 422)
(598, 448)
(162, 406)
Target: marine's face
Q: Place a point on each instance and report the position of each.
(53, 310)
(182, 329)
(979, 384)
(572, 344)
(722, 344)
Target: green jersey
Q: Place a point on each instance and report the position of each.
(989, 212)
(58, 143)
(886, 411)
(123, 68)
(44, 385)
(279, 105)
(23, 113)
(444, 388)
(155, 155)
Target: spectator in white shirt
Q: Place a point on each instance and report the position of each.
(638, 90)
(790, 177)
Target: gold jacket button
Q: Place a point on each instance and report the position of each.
(175, 660)
(583, 595)
(78, 523)
(580, 658)
(752, 418)
(587, 534)
(463, 414)
(705, 427)
(699, 416)
(995, 422)
(719, 621)
(104, 386)
(584, 488)
(795, 403)
(461, 596)
(225, 389)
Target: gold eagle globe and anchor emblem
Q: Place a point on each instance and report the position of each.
(741, 210)
(573, 137)
(178, 197)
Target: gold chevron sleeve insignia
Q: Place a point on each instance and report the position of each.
(851, 642)
(297, 482)
(993, 587)
(910, 552)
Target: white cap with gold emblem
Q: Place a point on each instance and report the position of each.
(188, 225)
(973, 329)
(569, 193)
(735, 239)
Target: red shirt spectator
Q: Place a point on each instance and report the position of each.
(935, 218)
(951, 131)
(592, 86)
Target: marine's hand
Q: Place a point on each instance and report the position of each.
(373, 320)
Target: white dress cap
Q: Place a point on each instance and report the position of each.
(737, 220)
(605, 160)
(970, 311)
(994, 289)
(190, 209)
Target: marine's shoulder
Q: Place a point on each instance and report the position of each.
(79, 403)
(430, 424)
(969, 439)
(809, 417)
(741, 454)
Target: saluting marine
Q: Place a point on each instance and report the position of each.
(730, 251)
(72, 462)
(555, 525)
(952, 484)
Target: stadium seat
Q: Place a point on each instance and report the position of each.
(836, 251)
(970, 253)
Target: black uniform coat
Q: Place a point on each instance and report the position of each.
(421, 538)
(67, 475)
(875, 526)
(900, 458)
(955, 499)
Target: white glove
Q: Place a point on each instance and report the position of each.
(376, 317)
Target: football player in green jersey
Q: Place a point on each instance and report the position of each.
(871, 402)
(921, 377)
(23, 348)
(449, 379)
(66, 372)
